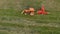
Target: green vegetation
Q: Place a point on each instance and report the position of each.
(12, 22)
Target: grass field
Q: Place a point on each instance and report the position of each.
(12, 22)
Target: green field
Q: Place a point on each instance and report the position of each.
(13, 22)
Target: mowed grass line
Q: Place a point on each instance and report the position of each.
(12, 25)
(37, 18)
(36, 29)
